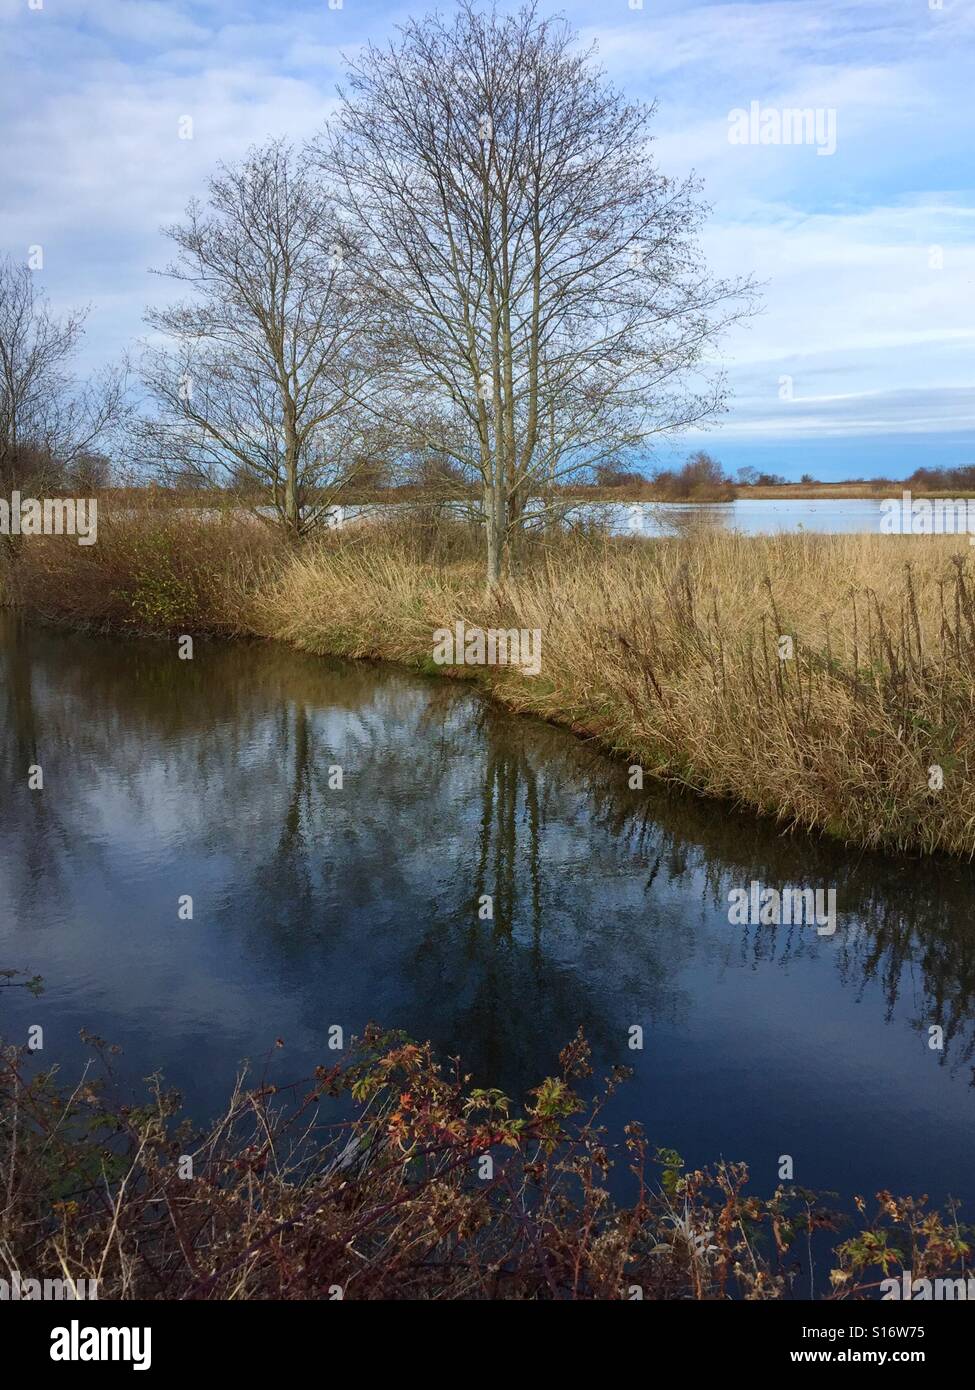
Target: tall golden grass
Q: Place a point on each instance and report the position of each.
(668, 652)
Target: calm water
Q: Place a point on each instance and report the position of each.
(752, 516)
(316, 906)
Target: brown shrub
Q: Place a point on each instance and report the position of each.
(395, 1201)
(157, 566)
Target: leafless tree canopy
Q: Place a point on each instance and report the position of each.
(478, 273)
(52, 430)
(266, 381)
(544, 299)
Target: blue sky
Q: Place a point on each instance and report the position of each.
(867, 254)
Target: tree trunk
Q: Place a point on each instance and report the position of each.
(494, 526)
(292, 518)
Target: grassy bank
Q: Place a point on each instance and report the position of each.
(815, 679)
(424, 1189)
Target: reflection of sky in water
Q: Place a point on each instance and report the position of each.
(752, 516)
(315, 907)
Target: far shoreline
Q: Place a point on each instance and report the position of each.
(579, 495)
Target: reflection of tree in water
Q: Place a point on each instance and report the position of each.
(512, 999)
(36, 835)
(445, 799)
(450, 804)
(903, 922)
(510, 798)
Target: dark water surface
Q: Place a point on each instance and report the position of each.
(315, 907)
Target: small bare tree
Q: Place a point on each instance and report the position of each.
(51, 427)
(541, 284)
(265, 385)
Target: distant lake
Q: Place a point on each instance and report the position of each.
(314, 906)
(751, 516)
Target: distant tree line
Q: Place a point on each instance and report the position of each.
(700, 478)
(942, 479)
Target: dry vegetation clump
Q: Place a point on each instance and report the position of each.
(156, 567)
(393, 1198)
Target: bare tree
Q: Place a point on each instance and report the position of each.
(542, 286)
(51, 428)
(265, 385)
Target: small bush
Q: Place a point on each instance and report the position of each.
(157, 566)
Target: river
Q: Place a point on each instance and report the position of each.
(317, 905)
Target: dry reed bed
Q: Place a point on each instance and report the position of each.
(668, 652)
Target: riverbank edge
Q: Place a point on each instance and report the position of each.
(467, 676)
(639, 661)
(482, 684)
